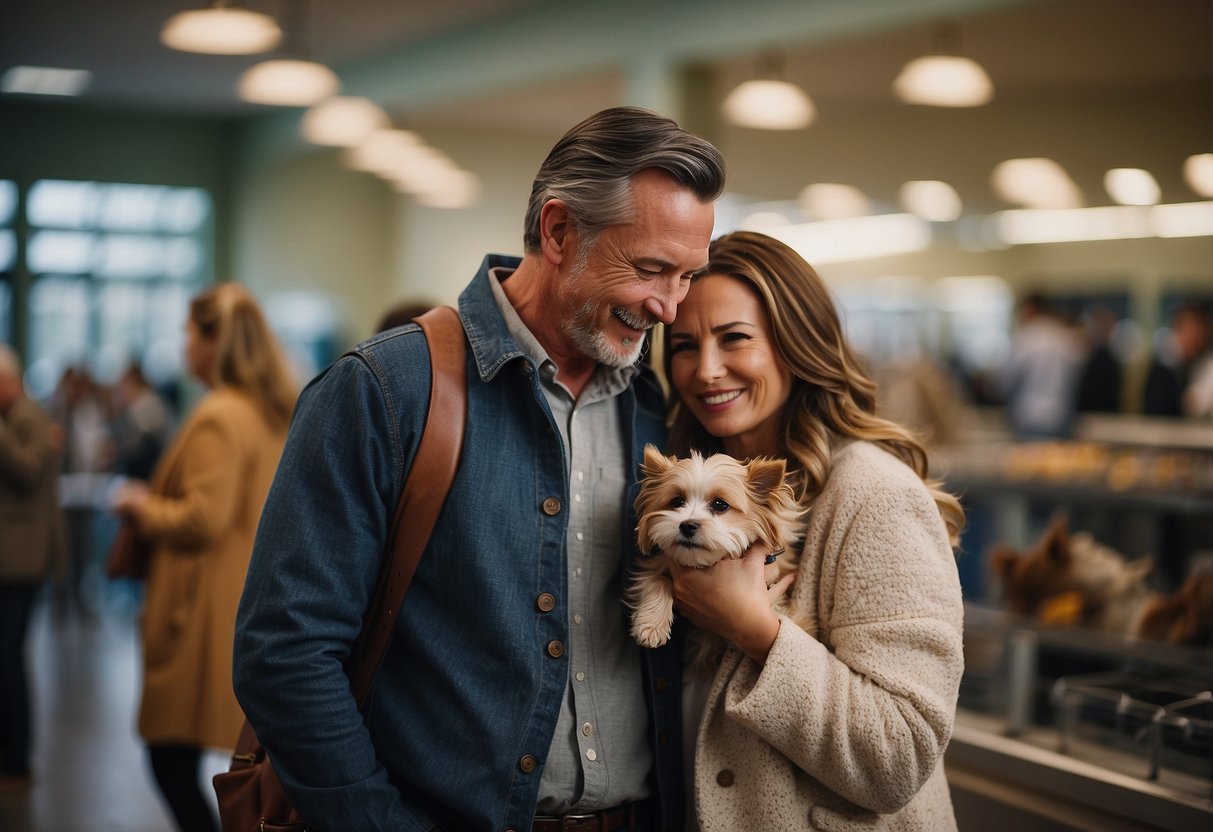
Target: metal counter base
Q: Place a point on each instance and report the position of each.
(1000, 783)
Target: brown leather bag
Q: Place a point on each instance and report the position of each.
(250, 797)
(129, 554)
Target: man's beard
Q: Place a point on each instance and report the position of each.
(583, 328)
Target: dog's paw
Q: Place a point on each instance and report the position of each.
(649, 635)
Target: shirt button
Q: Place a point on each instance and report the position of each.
(551, 506)
(724, 778)
(577, 497)
(577, 618)
(546, 602)
(527, 764)
(663, 738)
(580, 676)
(591, 755)
(587, 729)
(555, 649)
(580, 536)
(662, 683)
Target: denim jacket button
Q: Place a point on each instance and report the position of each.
(527, 764)
(546, 602)
(551, 506)
(555, 648)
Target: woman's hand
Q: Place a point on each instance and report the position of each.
(731, 599)
(130, 498)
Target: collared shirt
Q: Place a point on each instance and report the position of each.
(599, 755)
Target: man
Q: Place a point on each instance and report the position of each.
(1175, 365)
(1040, 375)
(30, 550)
(511, 697)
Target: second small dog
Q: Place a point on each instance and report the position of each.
(697, 511)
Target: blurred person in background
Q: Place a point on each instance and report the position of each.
(1100, 379)
(401, 314)
(30, 551)
(1039, 377)
(200, 513)
(1175, 359)
(142, 425)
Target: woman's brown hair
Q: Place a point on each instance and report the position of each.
(247, 355)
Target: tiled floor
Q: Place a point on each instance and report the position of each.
(90, 773)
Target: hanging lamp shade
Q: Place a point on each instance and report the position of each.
(944, 78)
(287, 82)
(342, 121)
(768, 102)
(221, 31)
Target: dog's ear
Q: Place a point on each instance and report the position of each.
(765, 475)
(1056, 542)
(654, 461)
(1003, 560)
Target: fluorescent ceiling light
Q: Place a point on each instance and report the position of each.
(453, 189)
(1132, 186)
(1114, 222)
(342, 121)
(221, 31)
(931, 199)
(944, 81)
(769, 105)
(1035, 183)
(287, 83)
(833, 201)
(45, 80)
(1198, 173)
(862, 238)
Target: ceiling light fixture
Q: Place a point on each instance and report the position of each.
(769, 102)
(1035, 183)
(1132, 186)
(931, 199)
(833, 201)
(342, 121)
(1198, 173)
(944, 78)
(293, 81)
(221, 29)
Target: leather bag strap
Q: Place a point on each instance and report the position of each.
(425, 490)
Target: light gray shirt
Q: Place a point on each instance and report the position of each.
(599, 755)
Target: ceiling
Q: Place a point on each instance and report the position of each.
(1096, 47)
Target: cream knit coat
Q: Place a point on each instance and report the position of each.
(847, 730)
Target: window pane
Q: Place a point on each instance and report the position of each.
(121, 328)
(168, 305)
(182, 258)
(8, 249)
(58, 330)
(60, 204)
(8, 201)
(130, 255)
(130, 207)
(60, 252)
(185, 210)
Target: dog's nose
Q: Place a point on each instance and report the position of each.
(688, 528)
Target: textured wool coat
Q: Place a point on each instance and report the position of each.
(207, 495)
(846, 730)
(31, 538)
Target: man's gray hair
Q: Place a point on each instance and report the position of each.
(590, 169)
(10, 362)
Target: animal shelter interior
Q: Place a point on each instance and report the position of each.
(1072, 188)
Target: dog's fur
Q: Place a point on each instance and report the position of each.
(698, 511)
(1069, 578)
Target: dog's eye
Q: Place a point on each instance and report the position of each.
(719, 506)
(678, 502)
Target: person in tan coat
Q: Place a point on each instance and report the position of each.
(841, 722)
(31, 550)
(200, 513)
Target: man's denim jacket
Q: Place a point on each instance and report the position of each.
(463, 709)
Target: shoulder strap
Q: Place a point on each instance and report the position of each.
(429, 480)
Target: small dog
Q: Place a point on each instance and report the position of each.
(698, 511)
(1072, 579)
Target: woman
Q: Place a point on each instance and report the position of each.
(844, 727)
(200, 514)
